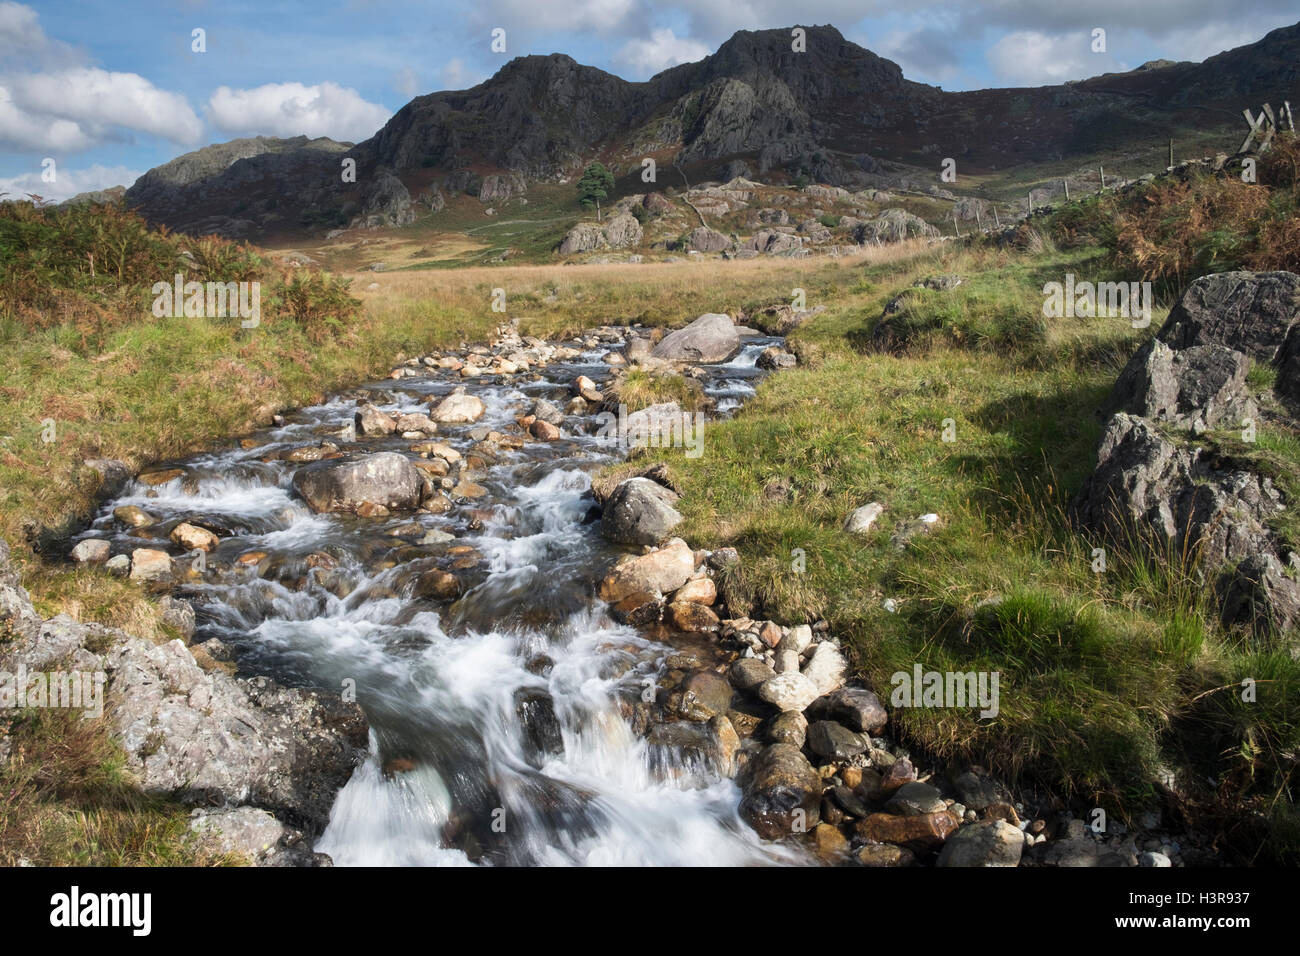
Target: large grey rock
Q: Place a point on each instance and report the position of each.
(1251, 312)
(203, 737)
(710, 338)
(584, 237)
(1147, 487)
(387, 479)
(640, 511)
(622, 231)
(1199, 387)
(704, 239)
(983, 844)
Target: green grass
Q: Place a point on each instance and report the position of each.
(1098, 671)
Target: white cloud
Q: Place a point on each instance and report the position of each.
(23, 42)
(662, 49)
(292, 109)
(97, 101)
(67, 182)
(1031, 58)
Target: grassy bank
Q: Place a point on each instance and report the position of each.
(1109, 681)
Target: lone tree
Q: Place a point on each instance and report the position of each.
(596, 184)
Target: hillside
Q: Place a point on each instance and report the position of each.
(835, 114)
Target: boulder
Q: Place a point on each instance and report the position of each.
(640, 511)
(659, 572)
(704, 239)
(622, 231)
(1251, 312)
(387, 479)
(1174, 496)
(1199, 387)
(584, 237)
(710, 338)
(193, 538)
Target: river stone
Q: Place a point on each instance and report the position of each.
(387, 479)
(983, 844)
(710, 338)
(659, 572)
(114, 476)
(193, 538)
(458, 408)
(855, 707)
(91, 551)
(700, 591)
(547, 412)
(437, 584)
(782, 792)
(539, 725)
(410, 422)
(640, 511)
(691, 618)
(915, 799)
(789, 692)
(150, 564)
(883, 854)
(133, 516)
(918, 833)
(825, 667)
(179, 615)
(798, 639)
(371, 420)
(748, 672)
(255, 835)
(788, 727)
(834, 741)
(704, 694)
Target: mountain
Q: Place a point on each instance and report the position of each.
(836, 113)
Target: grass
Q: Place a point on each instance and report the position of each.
(67, 799)
(1101, 674)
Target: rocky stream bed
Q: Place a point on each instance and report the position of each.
(419, 634)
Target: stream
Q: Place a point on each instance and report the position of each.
(501, 731)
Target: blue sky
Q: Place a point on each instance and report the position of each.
(109, 89)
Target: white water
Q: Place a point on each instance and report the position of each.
(441, 684)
